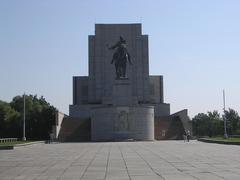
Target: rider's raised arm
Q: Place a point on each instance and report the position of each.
(114, 46)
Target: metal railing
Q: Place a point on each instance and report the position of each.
(2, 140)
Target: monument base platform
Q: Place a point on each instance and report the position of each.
(118, 123)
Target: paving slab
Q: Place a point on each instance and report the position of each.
(122, 161)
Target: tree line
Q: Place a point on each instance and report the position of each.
(212, 123)
(40, 117)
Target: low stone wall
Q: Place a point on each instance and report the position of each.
(168, 127)
(75, 130)
(172, 126)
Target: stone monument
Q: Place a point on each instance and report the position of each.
(119, 98)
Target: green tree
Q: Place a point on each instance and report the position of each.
(10, 121)
(215, 124)
(210, 124)
(200, 124)
(233, 121)
(40, 117)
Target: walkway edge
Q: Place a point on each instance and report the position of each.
(218, 141)
(30, 143)
(11, 147)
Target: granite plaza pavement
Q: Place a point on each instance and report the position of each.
(121, 161)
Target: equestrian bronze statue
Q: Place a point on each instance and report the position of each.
(120, 58)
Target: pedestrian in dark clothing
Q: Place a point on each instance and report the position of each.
(188, 135)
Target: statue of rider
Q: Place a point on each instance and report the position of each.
(120, 58)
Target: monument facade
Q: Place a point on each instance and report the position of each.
(119, 98)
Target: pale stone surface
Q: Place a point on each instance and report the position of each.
(122, 123)
(122, 94)
(122, 161)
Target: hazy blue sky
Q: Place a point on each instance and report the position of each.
(194, 44)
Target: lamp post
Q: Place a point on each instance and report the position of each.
(24, 117)
(224, 118)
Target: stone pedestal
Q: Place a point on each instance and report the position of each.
(123, 118)
(122, 93)
(116, 123)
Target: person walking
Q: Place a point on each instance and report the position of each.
(184, 136)
(188, 135)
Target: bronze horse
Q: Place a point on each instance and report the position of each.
(120, 58)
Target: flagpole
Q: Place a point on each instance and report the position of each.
(224, 118)
(24, 117)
